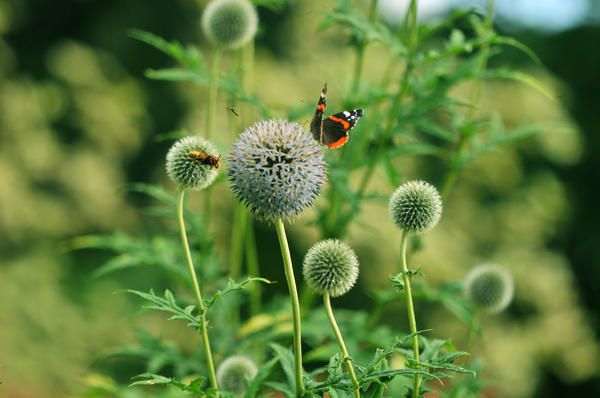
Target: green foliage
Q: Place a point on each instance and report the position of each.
(411, 111)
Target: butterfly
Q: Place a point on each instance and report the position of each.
(204, 158)
(332, 132)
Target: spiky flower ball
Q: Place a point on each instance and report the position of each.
(489, 287)
(231, 23)
(330, 266)
(276, 169)
(416, 207)
(187, 171)
(233, 372)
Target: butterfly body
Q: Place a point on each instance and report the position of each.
(332, 131)
(204, 158)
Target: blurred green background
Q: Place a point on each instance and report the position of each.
(78, 120)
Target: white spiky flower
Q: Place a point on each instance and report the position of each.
(276, 169)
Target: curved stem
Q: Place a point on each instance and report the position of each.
(411, 310)
(291, 281)
(340, 340)
(201, 308)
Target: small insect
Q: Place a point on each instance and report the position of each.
(204, 158)
(232, 109)
(332, 132)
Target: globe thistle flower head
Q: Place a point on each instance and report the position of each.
(231, 23)
(188, 171)
(330, 266)
(489, 287)
(416, 207)
(233, 372)
(276, 169)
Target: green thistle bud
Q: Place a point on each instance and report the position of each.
(233, 372)
(330, 266)
(231, 23)
(416, 207)
(489, 287)
(185, 166)
(276, 169)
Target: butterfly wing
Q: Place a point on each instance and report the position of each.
(336, 127)
(316, 125)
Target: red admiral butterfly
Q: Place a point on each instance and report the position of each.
(332, 131)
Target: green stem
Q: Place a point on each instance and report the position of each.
(411, 310)
(397, 102)
(465, 136)
(238, 235)
(253, 269)
(211, 106)
(201, 308)
(340, 340)
(360, 53)
(291, 281)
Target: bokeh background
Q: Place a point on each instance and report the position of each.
(78, 120)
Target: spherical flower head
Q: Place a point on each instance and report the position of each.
(330, 266)
(489, 287)
(185, 170)
(231, 23)
(276, 169)
(233, 372)
(416, 207)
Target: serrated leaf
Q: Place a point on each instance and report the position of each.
(168, 304)
(232, 286)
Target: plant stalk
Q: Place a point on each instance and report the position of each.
(411, 310)
(201, 308)
(340, 340)
(291, 281)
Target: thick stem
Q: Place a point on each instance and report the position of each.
(291, 281)
(201, 308)
(411, 310)
(340, 340)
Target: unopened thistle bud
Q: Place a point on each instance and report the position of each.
(330, 266)
(276, 169)
(489, 287)
(192, 163)
(416, 207)
(231, 23)
(233, 372)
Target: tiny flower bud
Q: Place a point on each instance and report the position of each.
(416, 207)
(330, 266)
(489, 287)
(233, 372)
(185, 166)
(276, 169)
(231, 23)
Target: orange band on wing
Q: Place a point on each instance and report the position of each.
(338, 143)
(321, 107)
(344, 123)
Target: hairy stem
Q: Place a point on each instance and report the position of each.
(411, 310)
(340, 340)
(201, 308)
(291, 281)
